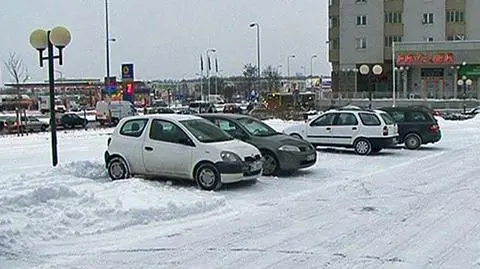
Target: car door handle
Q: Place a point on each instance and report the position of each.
(328, 128)
(148, 148)
(354, 128)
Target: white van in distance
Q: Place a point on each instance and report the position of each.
(114, 111)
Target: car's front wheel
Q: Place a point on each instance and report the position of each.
(117, 168)
(208, 177)
(362, 146)
(270, 164)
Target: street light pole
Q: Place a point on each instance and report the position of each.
(208, 71)
(311, 65)
(107, 48)
(40, 39)
(258, 47)
(288, 64)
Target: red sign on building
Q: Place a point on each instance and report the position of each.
(426, 58)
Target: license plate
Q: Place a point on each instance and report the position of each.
(256, 166)
(311, 157)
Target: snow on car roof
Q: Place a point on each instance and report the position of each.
(176, 117)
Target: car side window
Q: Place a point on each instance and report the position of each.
(346, 119)
(225, 125)
(398, 116)
(166, 131)
(369, 119)
(417, 116)
(133, 128)
(324, 120)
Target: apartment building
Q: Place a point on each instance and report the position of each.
(430, 48)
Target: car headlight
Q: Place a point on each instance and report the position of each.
(231, 157)
(289, 148)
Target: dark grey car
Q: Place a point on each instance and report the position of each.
(282, 153)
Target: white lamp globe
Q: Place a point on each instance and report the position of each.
(469, 82)
(60, 36)
(364, 69)
(377, 69)
(460, 82)
(38, 39)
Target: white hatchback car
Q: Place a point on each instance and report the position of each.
(180, 146)
(366, 131)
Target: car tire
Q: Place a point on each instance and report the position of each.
(413, 141)
(208, 177)
(118, 169)
(296, 136)
(362, 146)
(270, 164)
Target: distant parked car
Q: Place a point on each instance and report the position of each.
(416, 126)
(161, 110)
(366, 131)
(232, 108)
(281, 153)
(180, 146)
(72, 120)
(186, 111)
(261, 113)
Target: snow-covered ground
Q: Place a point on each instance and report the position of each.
(397, 209)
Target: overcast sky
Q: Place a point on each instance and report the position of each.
(164, 38)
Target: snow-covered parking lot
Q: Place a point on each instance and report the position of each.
(396, 209)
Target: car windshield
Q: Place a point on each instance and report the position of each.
(206, 131)
(256, 127)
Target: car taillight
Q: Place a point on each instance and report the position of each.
(434, 128)
(385, 130)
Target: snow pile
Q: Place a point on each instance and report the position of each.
(70, 201)
(279, 125)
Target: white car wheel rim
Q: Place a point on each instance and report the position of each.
(117, 170)
(362, 147)
(207, 177)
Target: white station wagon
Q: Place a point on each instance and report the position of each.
(180, 146)
(367, 131)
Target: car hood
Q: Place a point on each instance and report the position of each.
(281, 139)
(238, 147)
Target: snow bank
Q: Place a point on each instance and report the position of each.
(279, 125)
(78, 199)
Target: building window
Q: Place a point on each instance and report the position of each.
(362, 20)
(390, 39)
(427, 18)
(361, 43)
(456, 37)
(333, 22)
(393, 17)
(455, 16)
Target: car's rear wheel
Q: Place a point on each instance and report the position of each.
(362, 146)
(117, 168)
(270, 164)
(208, 177)
(413, 141)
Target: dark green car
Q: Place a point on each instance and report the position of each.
(282, 153)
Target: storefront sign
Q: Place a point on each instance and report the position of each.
(469, 71)
(425, 58)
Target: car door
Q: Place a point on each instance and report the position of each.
(399, 116)
(345, 129)
(166, 150)
(319, 131)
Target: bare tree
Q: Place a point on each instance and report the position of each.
(17, 68)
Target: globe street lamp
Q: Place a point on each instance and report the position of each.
(365, 70)
(40, 39)
(466, 83)
(258, 47)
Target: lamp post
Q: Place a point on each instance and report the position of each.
(365, 70)
(288, 64)
(278, 68)
(40, 39)
(311, 65)
(466, 83)
(208, 70)
(258, 47)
